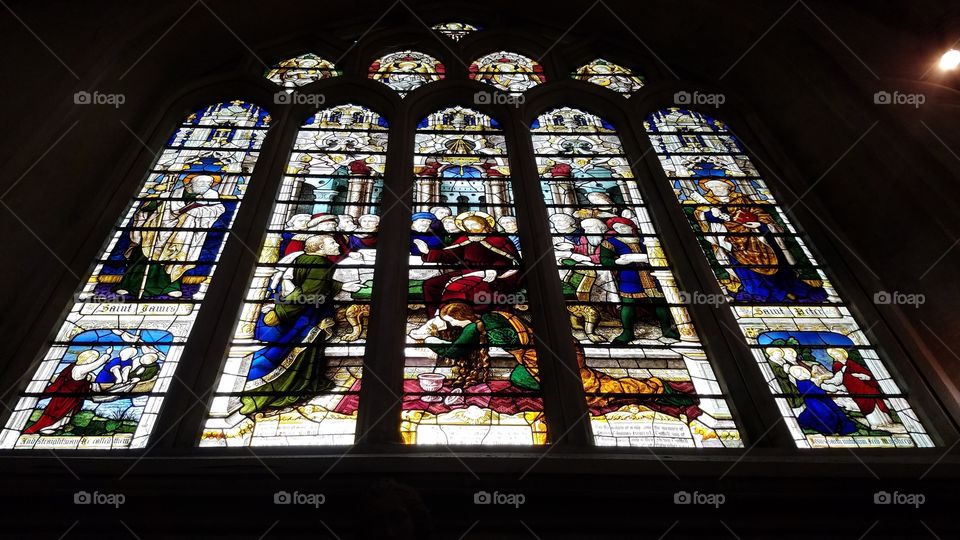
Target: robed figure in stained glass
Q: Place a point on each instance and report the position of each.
(636, 285)
(301, 316)
(292, 374)
(747, 243)
(169, 237)
(820, 413)
(73, 384)
(479, 253)
(497, 328)
(860, 383)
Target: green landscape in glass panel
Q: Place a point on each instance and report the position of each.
(647, 379)
(470, 374)
(292, 374)
(405, 71)
(101, 383)
(830, 384)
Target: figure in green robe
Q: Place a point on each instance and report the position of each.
(494, 328)
(305, 303)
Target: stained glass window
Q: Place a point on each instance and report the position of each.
(646, 376)
(471, 374)
(300, 71)
(405, 71)
(103, 378)
(609, 75)
(828, 380)
(510, 72)
(292, 374)
(455, 30)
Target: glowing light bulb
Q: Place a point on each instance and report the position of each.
(950, 60)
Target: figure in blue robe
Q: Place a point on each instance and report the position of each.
(821, 414)
(432, 240)
(755, 255)
(106, 375)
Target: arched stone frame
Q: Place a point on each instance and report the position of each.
(657, 94)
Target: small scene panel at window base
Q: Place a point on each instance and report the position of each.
(102, 381)
(647, 378)
(610, 76)
(828, 380)
(292, 374)
(471, 375)
(405, 71)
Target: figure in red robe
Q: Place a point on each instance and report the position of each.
(76, 381)
(862, 385)
(489, 266)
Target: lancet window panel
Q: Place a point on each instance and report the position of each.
(471, 374)
(103, 379)
(827, 377)
(646, 376)
(293, 371)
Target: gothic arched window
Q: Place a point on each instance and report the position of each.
(646, 375)
(591, 333)
(104, 377)
(292, 375)
(828, 380)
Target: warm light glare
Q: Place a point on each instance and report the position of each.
(950, 60)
